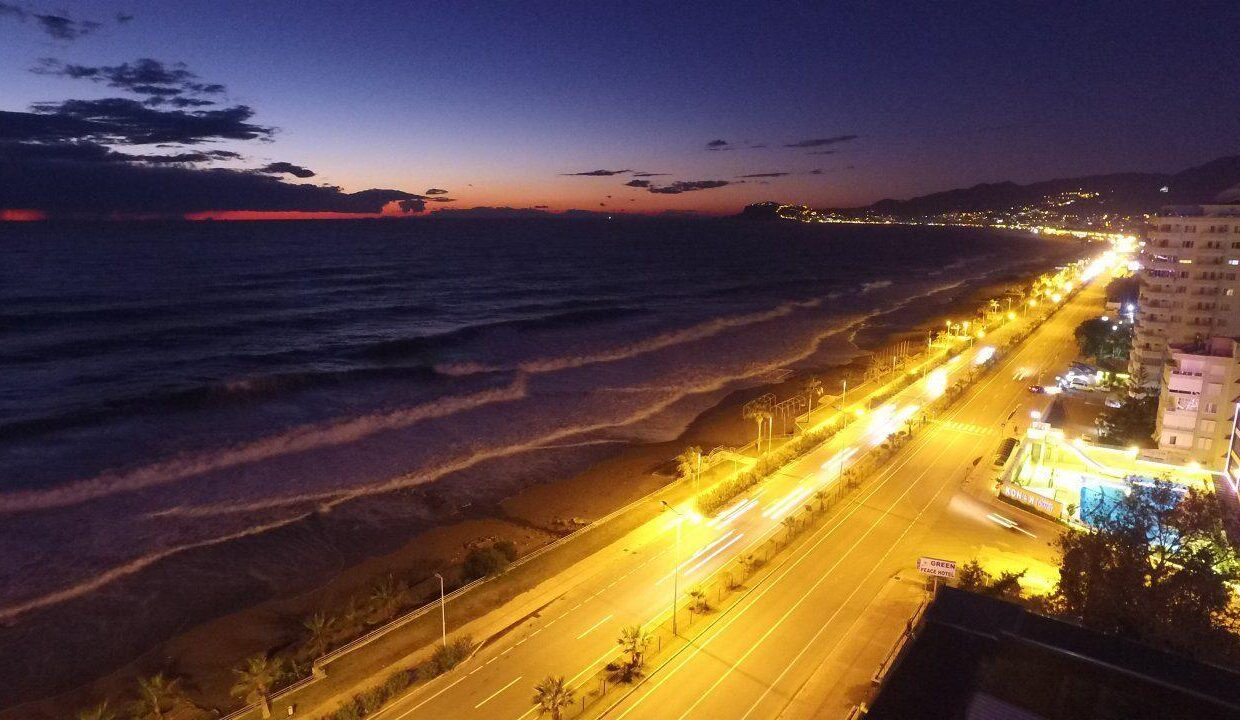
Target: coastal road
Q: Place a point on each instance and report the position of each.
(631, 582)
(790, 648)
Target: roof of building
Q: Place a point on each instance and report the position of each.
(974, 652)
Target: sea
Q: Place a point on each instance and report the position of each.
(198, 416)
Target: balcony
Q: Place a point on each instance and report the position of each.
(1179, 381)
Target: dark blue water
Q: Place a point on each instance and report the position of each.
(165, 388)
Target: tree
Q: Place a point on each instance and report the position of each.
(1155, 568)
(1104, 339)
(256, 677)
(813, 389)
(388, 596)
(700, 603)
(1132, 423)
(689, 464)
(633, 642)
(320, 627)
(760, 416)
(98, 712)
(973, 577)
(551, 696)
(484, 562)
(155, 694)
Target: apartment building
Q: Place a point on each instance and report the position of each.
(1190, 285)
(1196, 404)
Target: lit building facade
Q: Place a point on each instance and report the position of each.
(1195, 408)
(1190, 285)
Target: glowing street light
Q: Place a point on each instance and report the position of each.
(676, 571)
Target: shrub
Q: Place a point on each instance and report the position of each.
(507, 548)
(483, 562)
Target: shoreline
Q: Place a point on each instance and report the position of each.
(205, 651)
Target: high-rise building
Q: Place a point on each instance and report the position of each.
(1190, 286)
(1195, 404)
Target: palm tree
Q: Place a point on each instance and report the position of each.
(256, 678)
(321, 628)
(98, 712)
(813, 388)
(154, 693)
(760, 416)
(700, 603)
(388, 595)
(821, 497)
(689, 464)
(551, 696)
(634, 641)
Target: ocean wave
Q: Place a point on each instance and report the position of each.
(297, 440)
(226, 392)
(694, 333)
(420, 344)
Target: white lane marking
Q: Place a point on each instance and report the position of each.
(491, 697)
(443, 690)
(594, 627)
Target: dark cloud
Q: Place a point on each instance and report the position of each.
(684, 186)
(718, 145)
(159, 82)
(820, 142)
(822, 152)
(765, 175)
(128, 122)
(412, 205)
(280, 168)
(815, 172)
(75, 187)
(440, 199)
(649, 174)
(638, 183)
(63, 28)
(58, 27)
(436, 191)
(758, 145)
(597, 173)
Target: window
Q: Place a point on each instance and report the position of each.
(1170, 439)
(1211, 408)
(1187, 243)
(1236, 245)
(1204, 443)
(1190, 229)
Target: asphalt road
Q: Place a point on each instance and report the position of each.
(762, 654)
(766, 658)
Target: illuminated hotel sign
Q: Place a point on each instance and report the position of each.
(1041, 503)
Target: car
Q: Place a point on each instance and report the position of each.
(1037, 389)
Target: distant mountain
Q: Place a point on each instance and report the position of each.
(1119, 193)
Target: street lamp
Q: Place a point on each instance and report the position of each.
(443, 618)
(676, 560)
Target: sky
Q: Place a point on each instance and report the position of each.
(701, 106)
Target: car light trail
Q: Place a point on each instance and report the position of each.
(728, 518)
(712, 556)
(984, 355)
(781, 508)
(696, 555)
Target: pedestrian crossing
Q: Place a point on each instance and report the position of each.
(966, 428)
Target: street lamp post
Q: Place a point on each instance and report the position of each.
(443, 618)
(680, 520)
